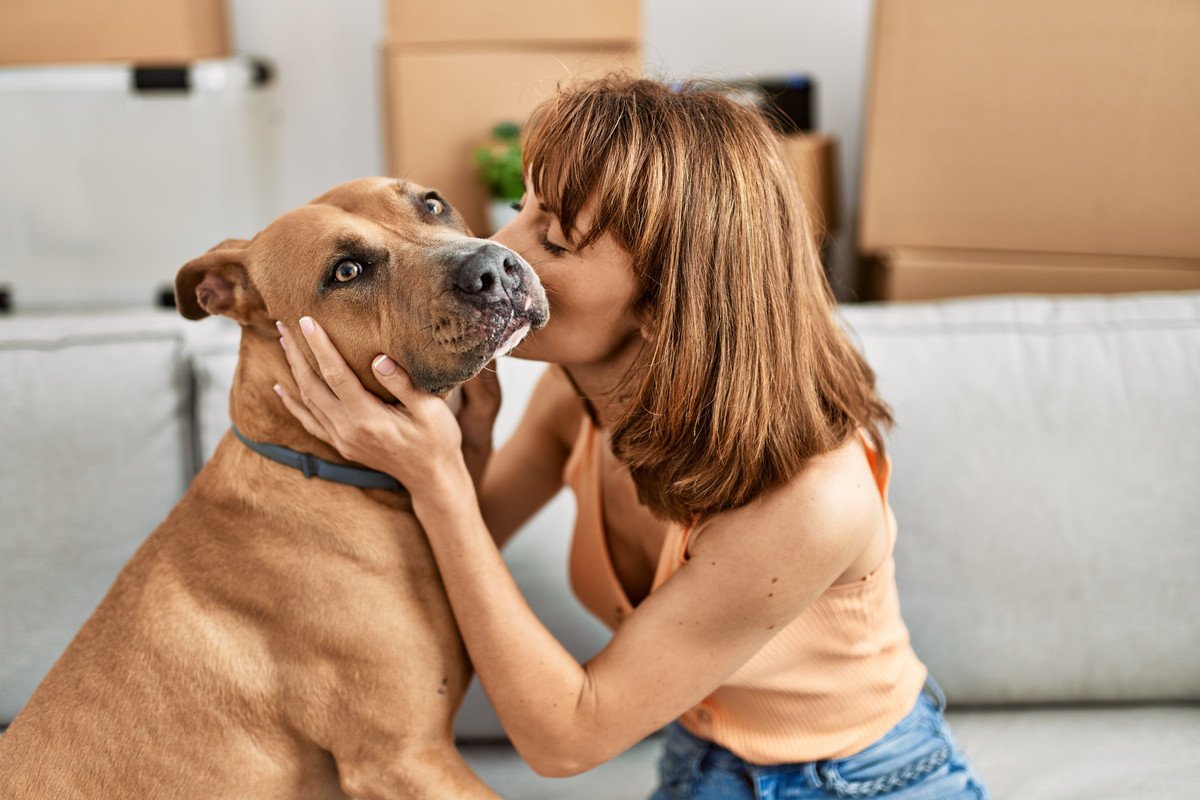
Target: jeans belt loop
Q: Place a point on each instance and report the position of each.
(935, 692)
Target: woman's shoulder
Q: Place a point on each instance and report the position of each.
(843, 472)
(833, 495)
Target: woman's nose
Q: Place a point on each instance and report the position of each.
(504, 236)
(516, 240)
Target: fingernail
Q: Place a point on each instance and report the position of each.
(384, 365)
(279, 327)
(306, 324)
(278, 391)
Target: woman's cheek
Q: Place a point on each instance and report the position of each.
(564, 340)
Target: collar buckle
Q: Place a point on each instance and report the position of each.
(308, 465)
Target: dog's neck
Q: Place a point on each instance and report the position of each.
(258, 412)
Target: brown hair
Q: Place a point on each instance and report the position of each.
(747, 373)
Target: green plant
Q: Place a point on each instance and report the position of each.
(498, 162)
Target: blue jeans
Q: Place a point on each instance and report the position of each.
(918, 759)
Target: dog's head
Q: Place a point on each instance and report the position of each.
(384, 266)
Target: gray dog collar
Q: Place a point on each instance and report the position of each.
(314, 467)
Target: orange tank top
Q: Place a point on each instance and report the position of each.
(831, 682)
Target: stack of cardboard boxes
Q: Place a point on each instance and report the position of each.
(813, 157)
(1025, 146)
(454, 69)
(139, 31)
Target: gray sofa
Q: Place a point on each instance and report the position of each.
(1046, 482)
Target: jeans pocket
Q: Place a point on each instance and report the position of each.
(916, 747)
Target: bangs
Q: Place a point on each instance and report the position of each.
(575, 143)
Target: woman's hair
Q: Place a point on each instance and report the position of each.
(747, 373)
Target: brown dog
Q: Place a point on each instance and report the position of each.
(275, 636)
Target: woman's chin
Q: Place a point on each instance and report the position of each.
(526, 349)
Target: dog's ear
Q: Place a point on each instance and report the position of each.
(217, 283)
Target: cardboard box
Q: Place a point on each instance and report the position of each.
(928, 274)
(813, 156)
(531, 21)
(1069, 127)
(442, 102)
(141, 31)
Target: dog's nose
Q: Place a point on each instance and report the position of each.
(488, 274)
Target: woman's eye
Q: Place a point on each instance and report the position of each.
(434, 206)
(515, 205)
(551, 247)
(347, 271)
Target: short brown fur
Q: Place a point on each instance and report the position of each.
(276, 636)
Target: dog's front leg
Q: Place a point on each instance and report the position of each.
(432, 771)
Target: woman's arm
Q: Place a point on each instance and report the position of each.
(526, 472)
(754, 569)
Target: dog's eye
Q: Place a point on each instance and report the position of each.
(347, 271)
(434, 206)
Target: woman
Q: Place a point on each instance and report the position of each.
(722, 438)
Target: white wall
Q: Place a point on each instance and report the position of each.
(329, 77)
(326, 54)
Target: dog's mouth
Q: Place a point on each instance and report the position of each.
(471, 332)
(513, 334)
(505, 325)
(472, 339)
(528, 313)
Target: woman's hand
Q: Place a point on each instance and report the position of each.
(417, 441)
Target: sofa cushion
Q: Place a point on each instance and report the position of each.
(96, 450)
(212, 345)
(1046, 460)
(1052, 753)
(1106, 752)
